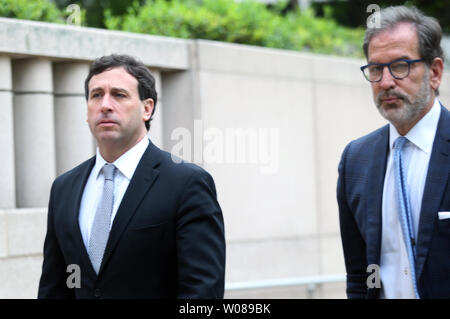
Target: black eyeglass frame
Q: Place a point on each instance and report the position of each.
(389, 67)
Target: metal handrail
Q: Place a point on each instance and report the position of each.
(285, 282)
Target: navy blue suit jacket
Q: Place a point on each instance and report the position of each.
(359, 193)
(166, 241)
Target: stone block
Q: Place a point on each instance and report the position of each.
(20, 277)
(26, 231)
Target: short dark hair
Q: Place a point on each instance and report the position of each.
(146, 81)
(429, 32)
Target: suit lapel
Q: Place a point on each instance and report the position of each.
(374, 193)
(140, 183)
(436, 180)
(77, 191)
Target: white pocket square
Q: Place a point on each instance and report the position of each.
(444, 215)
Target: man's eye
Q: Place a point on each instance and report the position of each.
(375, 69)
(399, 66)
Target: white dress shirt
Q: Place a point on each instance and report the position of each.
(394, 264)
(126, 165)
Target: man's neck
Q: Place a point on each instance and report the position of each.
(111, 151)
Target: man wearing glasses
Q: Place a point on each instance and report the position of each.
(393, 189)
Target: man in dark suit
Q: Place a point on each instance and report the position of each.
(393, 189)
(133, 220)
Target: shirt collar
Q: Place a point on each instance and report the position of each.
(422, 134)
(127, 162)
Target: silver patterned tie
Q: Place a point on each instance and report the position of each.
(101, 226)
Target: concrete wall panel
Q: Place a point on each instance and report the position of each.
(7, 187)
(20, 277)
(267, 196)
(343, 114)
(26, 231)
(156, 133)
(3, 235)
(284, 258)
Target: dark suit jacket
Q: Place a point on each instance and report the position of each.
(166, 241)
(359, 193)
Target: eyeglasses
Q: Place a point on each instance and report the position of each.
(399, 69)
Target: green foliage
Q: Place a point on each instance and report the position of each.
(39, 10)
(94, 9)
(246, 21)
(353, 13)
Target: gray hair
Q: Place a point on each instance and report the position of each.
(429, 31)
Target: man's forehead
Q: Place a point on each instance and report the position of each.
(402, 37)
(399, 29)
(113, 77)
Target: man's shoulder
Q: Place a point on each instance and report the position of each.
(173, 165)
(69, 176)
(367, 141)
(445, 113)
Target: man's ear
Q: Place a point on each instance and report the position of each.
(436, 70)
(149, 106)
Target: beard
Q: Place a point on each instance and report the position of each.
(413, 106)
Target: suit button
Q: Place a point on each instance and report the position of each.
(97, 293)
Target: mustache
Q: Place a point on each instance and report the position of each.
(390, 93)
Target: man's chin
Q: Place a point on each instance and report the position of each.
(398, 116)
(392, 113)
(107, 136)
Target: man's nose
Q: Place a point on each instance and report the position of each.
(106, 105)
(387, 80)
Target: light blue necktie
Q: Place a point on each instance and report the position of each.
(101, 226)
(404, 208)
